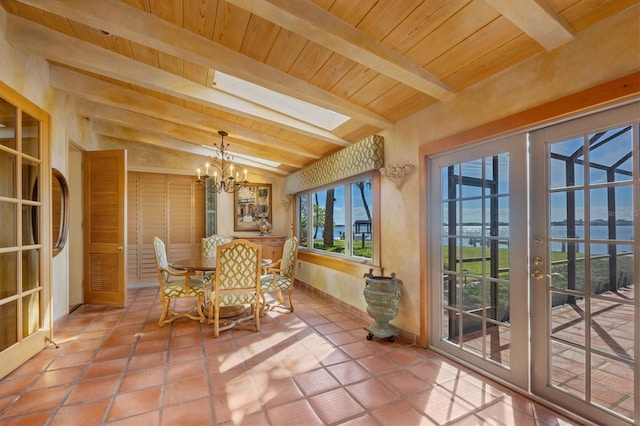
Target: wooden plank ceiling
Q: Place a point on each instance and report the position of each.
(153, 71)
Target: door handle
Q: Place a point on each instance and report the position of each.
(120, 248)
(537, 274)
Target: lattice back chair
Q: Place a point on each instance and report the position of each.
(279, 277)
(237, 282)
(176, 285)
(209, 245)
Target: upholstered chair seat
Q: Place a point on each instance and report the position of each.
(177, 285)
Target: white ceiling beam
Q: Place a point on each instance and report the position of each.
(113, 130)
(312, 22)
(58, 47)
(138, 26)
(538, 19)
(139, 121)
(85, 87)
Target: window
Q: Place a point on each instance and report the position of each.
(337, 220)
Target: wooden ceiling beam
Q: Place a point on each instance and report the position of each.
(139, 121)
(192, 136)
(84, 87)
(86, 56)
(140, 27)
(312, 22)
(113, 130)
(538, 19)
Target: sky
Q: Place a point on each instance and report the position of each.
(616, 149)
(358, 213)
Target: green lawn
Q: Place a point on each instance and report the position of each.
(338, 247)
(599, 268)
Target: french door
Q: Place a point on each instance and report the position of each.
(585, 262)
(479, 294)
(532, 274)
(25, 234)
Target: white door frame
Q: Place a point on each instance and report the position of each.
(516, 146)
(540, 288)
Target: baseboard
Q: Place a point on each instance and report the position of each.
(404, 334)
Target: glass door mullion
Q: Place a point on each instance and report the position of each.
(585, 263)
(479, 280)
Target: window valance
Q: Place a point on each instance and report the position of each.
(362, 156)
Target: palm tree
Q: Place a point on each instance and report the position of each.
(327, 232)
(318, 217)
(360, 186)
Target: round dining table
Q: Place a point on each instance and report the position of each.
(196, 264)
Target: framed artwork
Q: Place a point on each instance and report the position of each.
(252, 203)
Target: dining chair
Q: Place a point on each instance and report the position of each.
(209, 245)
(176, 285)
(237, 282)
(279, 277)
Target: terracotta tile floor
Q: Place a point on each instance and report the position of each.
(315, 366)
(612, 330)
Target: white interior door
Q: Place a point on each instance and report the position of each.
(478, 257)
(585, 262)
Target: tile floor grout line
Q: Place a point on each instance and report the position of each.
(90, 363)
(297, 340)
(131, 354)
(205, 356)
(45, 370)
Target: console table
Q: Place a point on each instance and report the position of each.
(271, 244)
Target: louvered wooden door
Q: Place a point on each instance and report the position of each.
(105, 181)
(170, 207)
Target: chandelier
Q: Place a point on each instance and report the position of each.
(218, 174)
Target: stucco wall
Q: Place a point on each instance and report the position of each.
(29, 75)
(606, 51)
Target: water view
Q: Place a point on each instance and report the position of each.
(596, 233)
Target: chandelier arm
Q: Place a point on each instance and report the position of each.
(221, 162)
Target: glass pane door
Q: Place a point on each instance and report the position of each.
(478, 207)
(585, 265)
(22, 321)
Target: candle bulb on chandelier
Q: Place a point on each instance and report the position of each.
(220, 163)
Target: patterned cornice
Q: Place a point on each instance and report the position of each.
(361, 157)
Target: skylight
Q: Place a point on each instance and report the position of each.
(284, 104)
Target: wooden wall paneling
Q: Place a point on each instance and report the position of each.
(199, 218)
(153, 219)
(133, 201)
(179, 217)
(169, 206)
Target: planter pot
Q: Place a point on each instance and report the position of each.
(382, 295)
